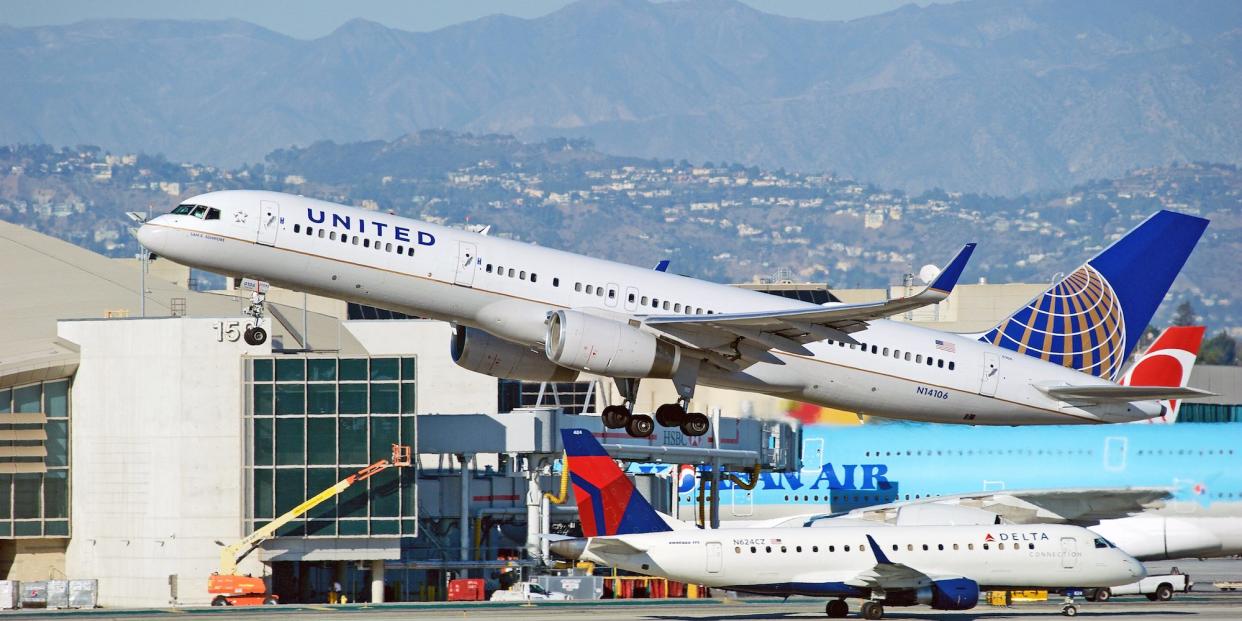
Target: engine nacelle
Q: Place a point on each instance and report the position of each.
(950, 594)
(488, 354)
(606, 347)
(1149, 538)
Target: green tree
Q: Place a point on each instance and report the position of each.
(1185, 315)
(1220, 349)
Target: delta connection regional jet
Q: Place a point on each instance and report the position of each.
(532, 313)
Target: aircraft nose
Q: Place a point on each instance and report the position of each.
(1136, 568)
(150, 236)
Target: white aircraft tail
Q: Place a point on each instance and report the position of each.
(1167, 363)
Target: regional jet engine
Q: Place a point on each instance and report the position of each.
(485, 353)
(606, 347)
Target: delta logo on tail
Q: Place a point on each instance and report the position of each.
(1091, 319)
(607, 502)
(1167, 362)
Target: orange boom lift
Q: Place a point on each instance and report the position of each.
(231, 589)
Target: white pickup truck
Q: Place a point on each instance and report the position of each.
(1159, 587)
(526, 592)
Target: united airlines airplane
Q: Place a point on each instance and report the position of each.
(526, 312)
(944, 567)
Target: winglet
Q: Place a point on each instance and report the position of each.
(875, 547)
(662, 266)
(949, 275)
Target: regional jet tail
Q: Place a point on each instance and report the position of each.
(944, 567)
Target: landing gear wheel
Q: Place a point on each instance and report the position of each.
(255, 335)
(640, 426)
(1164, 593)
(220, 600)
(615, 417)
(871, 610)
(1069, 610)
(695, 424)
(270, 600)
(670, 414)
(1102, 595)
(837, 609)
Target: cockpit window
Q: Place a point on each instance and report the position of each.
(212, 214)
(199, 212)
(1101, 542)
(182, 210)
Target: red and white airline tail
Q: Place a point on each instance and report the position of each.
(1167, 363)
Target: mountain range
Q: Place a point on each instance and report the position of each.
(996, 96)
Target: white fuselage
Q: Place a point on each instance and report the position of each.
(508, 288)
(830, 561)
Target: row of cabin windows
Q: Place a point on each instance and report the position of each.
(981, 452)
(600, 291)
(897, 354)
(940, 547)
(516, 273)
(356, 240)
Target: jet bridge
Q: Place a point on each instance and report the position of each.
(533, 434)
(732, 443)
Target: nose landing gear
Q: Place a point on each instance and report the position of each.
(255, 335)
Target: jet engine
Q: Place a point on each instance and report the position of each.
(606, 347)
(949, 594)
(485, 353)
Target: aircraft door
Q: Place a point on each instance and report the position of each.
(991, 375)
(631, 299)
(1069, 552)
(269, 222)
(715, 557)
(1115, 453)
(466, 262)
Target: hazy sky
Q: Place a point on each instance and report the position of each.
(314, 18)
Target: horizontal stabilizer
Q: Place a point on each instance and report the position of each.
(607, 546)
(1124, 393)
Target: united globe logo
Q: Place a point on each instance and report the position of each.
(1078, 323)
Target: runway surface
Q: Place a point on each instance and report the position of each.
(1183, 607)
(1204, 602)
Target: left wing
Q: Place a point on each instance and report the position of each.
(1120, 393)
(886, 575)
(789, 330)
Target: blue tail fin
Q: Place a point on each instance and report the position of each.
(608, 504)
(1091, 319)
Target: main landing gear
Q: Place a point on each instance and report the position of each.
(837, 609)
(871, 610)
(641, 425)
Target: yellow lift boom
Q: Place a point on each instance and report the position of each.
(231, 589)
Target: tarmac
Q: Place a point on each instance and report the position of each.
(1203, 602)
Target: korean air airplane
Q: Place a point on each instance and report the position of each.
(944, 567)
(532, 313)
(1158, 491)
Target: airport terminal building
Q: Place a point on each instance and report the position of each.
(133, 448)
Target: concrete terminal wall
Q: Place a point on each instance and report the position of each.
(156, 447)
